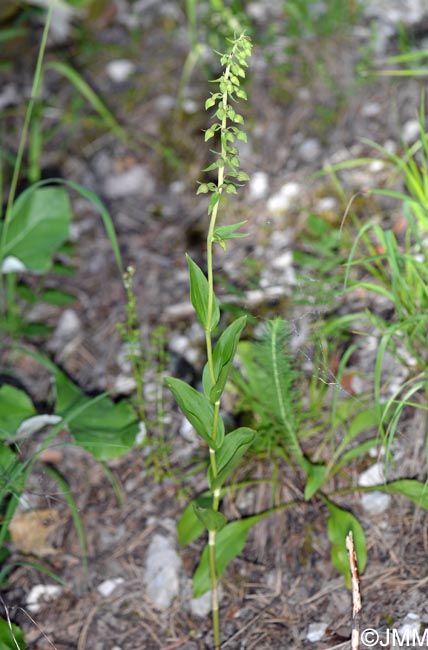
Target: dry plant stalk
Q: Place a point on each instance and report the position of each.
(356, 595)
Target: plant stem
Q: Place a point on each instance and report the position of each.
(214, 590)
(216, 494)
(21, 147)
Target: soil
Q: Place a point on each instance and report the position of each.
(303, 112)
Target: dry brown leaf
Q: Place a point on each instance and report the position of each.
(30, 531)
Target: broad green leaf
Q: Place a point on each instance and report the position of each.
(367, 419)
(229, 543)
(11, 639)
(199, 296)
(315, 478)
(234, 446)
(57, 297)
(12, 478)
(197, 410)
(340, 523)
(416, 491)
(189, 527)
(15, 407)
(210, 519)
(104, 428)
(223, 358)
(38, 226)
(93, 198)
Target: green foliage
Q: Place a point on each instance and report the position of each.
(267, 387)
(15, 406)
(11, 636)
(229, 455)
(38, 225)
(203, 411)
(208, 314)
(199, 411)
(229, 543)
(340, 522)
(223, 355)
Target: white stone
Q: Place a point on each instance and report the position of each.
(258, 185)
(40, 594)
(12, 264)
(327, 204)
(179, 344)
(190, 106)
(376, 166)
(283, 261)
(201, 606)
(254, 297)
(410, 625)
(161, 575)
(316, 632)
(374, 475)
(151, 390)
(309, 150)
(62, 15)
(411, 131)
(69, 326)
(124, 385)
(120, 70)
(165, 103)
(135, 180)
(371, 109)
(274, 292)
(374, 502)
(8, 96)
(187, 431)
(108, 586)
(283, 199)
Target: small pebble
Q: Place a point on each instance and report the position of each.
(316, 632)
(374, 502)
(283, 261)
(41, 594)
(258, 185)
(135, 180)
(124, 385)
(108, 586)
(411, 131)
(187, 431)
(410, 625)
(309, 150)
(120, 70)
(69, 326)
(283, 199)
(201, 606)
(162, 567)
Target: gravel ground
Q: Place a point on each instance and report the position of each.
(304, 112)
